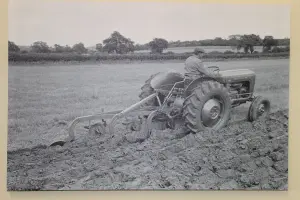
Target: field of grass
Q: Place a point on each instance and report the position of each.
(42, 97)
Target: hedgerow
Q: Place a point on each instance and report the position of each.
(58, 57)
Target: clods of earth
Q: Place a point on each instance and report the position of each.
(244, 155)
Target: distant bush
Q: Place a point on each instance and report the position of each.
(276, 50)
(228, 52)
(287, 49)
(169, 52)
(266, 50)
(280, 49)
(268, 42)
(215, 52)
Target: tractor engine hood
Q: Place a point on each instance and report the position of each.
(235, 75)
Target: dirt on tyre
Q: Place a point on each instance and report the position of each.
(259, 108)
(208, 107)
(147, 90)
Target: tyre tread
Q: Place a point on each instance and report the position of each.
(194, 100)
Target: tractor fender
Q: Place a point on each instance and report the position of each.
(194, 83)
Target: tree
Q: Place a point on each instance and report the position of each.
(99, 47)
(268, 42)
(283, 42)
(247, 42)
(61, 49)
(40, 47)
(118, 43)
(157, 45)
(79, 48)
(235, 41)
(218, 41)
(12, 47)
(67, 48)
(58, 48)
(138, 47)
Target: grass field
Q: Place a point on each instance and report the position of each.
(42, 96)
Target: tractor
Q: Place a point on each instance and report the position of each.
(172, 100)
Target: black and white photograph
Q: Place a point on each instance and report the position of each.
(111, 95)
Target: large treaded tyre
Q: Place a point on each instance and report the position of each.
(148, 90)
(201, 104)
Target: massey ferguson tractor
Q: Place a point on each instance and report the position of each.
(171, 100)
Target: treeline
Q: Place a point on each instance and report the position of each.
(116, 43)
(236, 41)
(217, 42)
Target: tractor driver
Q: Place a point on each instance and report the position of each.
(194, 66)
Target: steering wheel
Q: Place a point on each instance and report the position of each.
(215, 70)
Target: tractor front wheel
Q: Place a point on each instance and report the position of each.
(207, 108)
(259, 108)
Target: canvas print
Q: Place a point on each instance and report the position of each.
(147, 96)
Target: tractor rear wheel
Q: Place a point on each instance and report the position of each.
(148, 90)
(208, 107)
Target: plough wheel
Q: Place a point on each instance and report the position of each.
(133, 124)
(157, 121)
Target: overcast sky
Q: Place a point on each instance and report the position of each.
(67, 23)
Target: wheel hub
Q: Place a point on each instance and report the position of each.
(211, 112)
(261, 109)
(214, 112)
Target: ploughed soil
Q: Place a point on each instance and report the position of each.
(243, 155)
